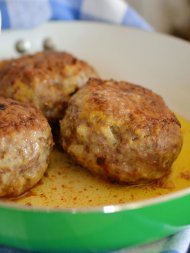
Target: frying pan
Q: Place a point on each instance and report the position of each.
(156, 61)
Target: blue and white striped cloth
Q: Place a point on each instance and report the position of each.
(18, 14)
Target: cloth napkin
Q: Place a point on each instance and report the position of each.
(30, 13)
(17, 14)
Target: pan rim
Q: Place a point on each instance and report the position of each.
(100, 209)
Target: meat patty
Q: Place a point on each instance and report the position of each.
(121, 131)
(48, 79)
(25, 145)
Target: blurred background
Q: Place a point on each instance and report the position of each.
(168, 16)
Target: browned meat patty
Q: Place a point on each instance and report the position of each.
(121, 131)
(47, 79)
(25, 145)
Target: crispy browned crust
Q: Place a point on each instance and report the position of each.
(122, 131)
(47, 79)
(15, 116)
(128, 102)
(40, 66)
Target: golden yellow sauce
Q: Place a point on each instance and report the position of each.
(68, 185)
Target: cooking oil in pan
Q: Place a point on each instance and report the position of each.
(70, 186)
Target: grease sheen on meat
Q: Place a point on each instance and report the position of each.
(48, 79)
(121, 131)
(25, 145)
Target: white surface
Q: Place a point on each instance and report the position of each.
(155, 61)
(163, 15)
(105, 9)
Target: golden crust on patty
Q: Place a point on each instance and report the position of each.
(25, 146)
(121, 131)
(17, 115)
(47, 79)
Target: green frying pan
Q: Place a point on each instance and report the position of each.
(155, 61)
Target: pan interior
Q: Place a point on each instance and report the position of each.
(67, 185)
